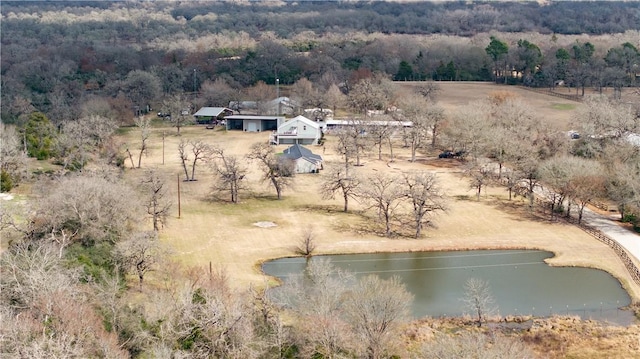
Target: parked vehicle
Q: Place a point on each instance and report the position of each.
(451, 154)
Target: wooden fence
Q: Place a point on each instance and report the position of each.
(634, 271)
(550, 92)
(620, 251)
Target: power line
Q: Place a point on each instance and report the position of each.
(429, 269)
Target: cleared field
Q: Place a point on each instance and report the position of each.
(555, 111)
(227, 236)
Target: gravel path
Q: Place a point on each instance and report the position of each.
(629, 240)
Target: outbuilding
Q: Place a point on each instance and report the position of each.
(253, 123)
(305, 160)
(211, 115)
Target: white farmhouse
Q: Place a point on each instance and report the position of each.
(298, 130)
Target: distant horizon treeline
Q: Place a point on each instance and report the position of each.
(419, 17)
(58, 56)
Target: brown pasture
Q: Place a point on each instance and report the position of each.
(213, 232)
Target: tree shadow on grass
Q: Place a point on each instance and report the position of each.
(520, 211)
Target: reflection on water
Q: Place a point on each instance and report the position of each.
(521, 282)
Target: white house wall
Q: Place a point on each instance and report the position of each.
(304, 166)
(305, 133)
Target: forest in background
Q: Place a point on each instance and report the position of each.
(59, 55)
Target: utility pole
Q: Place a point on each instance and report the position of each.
(194, 81)
(278, 96)
(179, 211)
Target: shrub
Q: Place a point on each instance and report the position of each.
(6, 183)
(40, 136)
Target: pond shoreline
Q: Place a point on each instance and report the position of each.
(589, 286)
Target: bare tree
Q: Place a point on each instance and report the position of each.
(144, 125)
(200, 151)
(141, 254)
(184, 157)
(95, 206)
(556, 174)
(510, 123)
(344, 146)
(375, 308)
(511, 180)
(156, 203)
(230, 174)
(262, 93)
(435, 118)
(337, 181)
(425, 196)
(204, 317)
(479, 300)
(306, 95)
(480, 173)
(306, 245)
(81, 137)
(588, 183)
(601, 116)
(45, 310)
(426, 118)
(383, 195)
(33, 270)
(429, 91)
(317, 297)
(218, 92)
(177, 107)
(527, 163)
(12, 158)
(381, 135)
(352, 141)
(623, 185)
(278, 171)
(334, 97)
(373, 93)
(465, 128)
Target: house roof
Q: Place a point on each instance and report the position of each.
(211, 111)
(283, 100)
(303, 119)
(370, 123)
(253, 117)
(296, 152)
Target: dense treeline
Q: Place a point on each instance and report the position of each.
(456, 18)
(56, 56)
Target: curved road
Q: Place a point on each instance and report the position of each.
(629, 240)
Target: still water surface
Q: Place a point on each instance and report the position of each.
(521, 282)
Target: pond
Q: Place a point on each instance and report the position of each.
(520, 281)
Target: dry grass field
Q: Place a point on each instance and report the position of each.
(212, 232)
(227, 236)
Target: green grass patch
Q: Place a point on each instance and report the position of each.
(462, 197)
(563, 106)
(121, 131)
